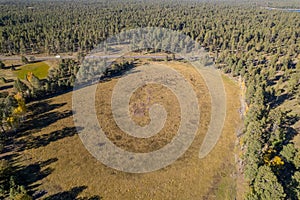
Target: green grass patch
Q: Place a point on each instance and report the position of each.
(226, 188)
(39, 69)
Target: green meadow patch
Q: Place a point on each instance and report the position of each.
(39, 69)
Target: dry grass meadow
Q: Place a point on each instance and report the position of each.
(56, 161)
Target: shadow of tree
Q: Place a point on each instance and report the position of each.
(42, 114)
(291, 130)
(72, 195)
(277, 101)
(43, 140)
(42, 107)
(43, 120)
(41, 117)
(6, 87)
(8, 67)
(30, 174)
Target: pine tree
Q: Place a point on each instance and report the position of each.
(2, 65)
(266, 185)
(24, 60)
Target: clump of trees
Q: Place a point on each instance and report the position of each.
(12, 111)
(63, 77)
(271, 159)
(89, 71)
(8, 185)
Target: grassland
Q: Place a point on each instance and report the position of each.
(52, 156)
(39, 69)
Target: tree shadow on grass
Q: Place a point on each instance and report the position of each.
(36, 61)
(277, 101)
(28, 175)
(43, 106)
(72, 195)
(6, 87)
(42, 115)
(45, 139)
(42, 121)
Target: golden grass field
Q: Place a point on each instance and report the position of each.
(67, 170)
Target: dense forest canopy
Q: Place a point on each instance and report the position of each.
(258, 45)
(63, 26)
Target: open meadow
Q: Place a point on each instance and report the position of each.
(51, 153)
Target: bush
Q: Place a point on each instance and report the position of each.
(24, 60)
(3, 80)
(18, 192)
(5, 170)
(21, 194)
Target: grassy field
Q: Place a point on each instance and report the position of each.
(39, 69)
(52, 156)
